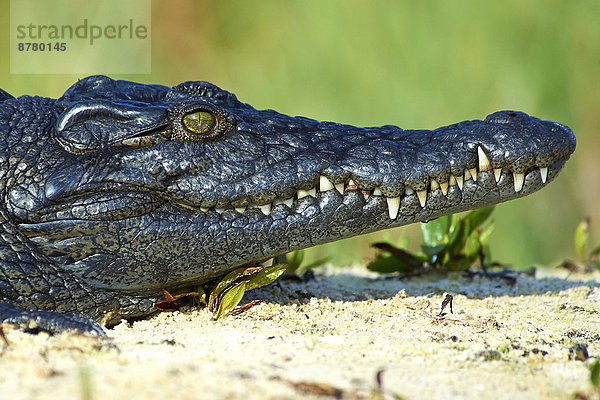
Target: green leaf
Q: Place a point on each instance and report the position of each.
(455, 228)
(435, 231)
(294, 260)
(228, 280)
(389, 264)
(484, 236)
(581, 238)
(457, 239)
(595, 374)
(454, 222)
(232, 278)
(476, 218)
(472, 246)
(266, 276)
(401, 255)
(420, 257)
(433, 250)
(487, 252)
(223, 284)
(202, 296)
(231, 298)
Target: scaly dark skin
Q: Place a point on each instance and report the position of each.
(118, 190)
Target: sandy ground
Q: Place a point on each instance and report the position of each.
(329, 338)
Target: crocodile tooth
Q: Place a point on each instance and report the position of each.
(452, 181)
(484, 161)
(241, 210)
(434, 185)
(340, 187)
(325, 184)
(518, 180)
(303, 193)
(377, 191)
(444, 187)
(544, 174)
(393, 206)
(219, 210)
(408, 191)
(351, 185)
(366, 194)
(204, 209)
(289, 202)
(266, 209)
(459, 182)
(467, 175)
(497, 173)
(473, 173)
(422, 195)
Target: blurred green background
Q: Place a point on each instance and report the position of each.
(414, 64)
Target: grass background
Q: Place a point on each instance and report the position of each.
(414, 64)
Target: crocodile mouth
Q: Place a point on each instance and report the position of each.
(504, 182)
(106, 201)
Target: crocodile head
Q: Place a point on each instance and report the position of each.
(135, 188)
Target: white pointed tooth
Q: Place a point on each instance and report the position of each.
(289, 202)
(266, 209)
(351, 185)
(340, 187)
(473, 173)
(497, 173)
(241, 210)
(434, 184)
(377, 191)
(325, 184)
(408, 191)
(544, 174)
(219, 210)
(422, 195)
(460, 181)
(393, 206)
(444, 187)
(518, 180)
(484, 161)
(204, 209)
(303, 193)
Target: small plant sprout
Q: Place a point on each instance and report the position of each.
(451, 242)
(228, 292)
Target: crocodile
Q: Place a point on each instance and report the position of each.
(118, 190)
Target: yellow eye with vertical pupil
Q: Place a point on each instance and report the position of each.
(201, 122)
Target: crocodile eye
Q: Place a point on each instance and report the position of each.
(195, 122)
(200, 122)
